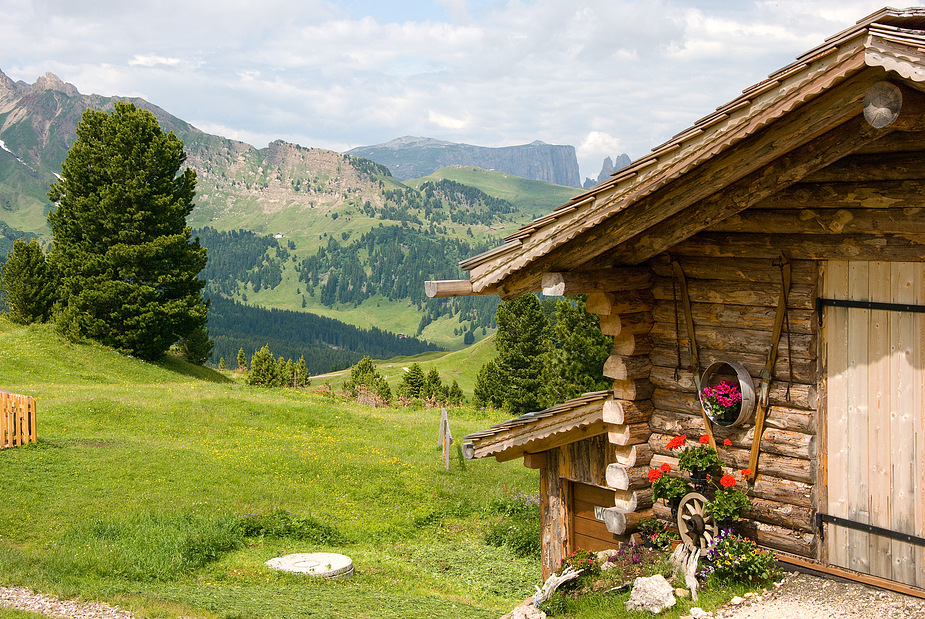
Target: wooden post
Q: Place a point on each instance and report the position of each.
(445, 438)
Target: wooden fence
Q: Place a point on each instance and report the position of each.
(17, 419)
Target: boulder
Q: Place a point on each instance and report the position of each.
(526, 610)
(653, 594)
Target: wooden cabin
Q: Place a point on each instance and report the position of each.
(818, 171)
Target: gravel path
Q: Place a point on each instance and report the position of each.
(803, 596)
(799, 596)
(23, 599)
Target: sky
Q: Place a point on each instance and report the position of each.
(607, 77)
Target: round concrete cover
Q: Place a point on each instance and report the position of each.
(324, 564)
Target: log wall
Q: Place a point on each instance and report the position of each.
(837, 213)
(733, 303)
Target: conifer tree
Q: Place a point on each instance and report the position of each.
(242, 360)
(523, 347)
(120, 243)
(221, 363)
(197, 346)
(577, 363)
(26, 283)
(264, 371)
(412, 383)
(365, 374)
(489, 388)
(455, 395)
(433, 386)
(300, 374)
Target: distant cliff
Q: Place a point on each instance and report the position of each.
(609, 167)
(413, 157)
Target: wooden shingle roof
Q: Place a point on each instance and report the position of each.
(537, 431)
(641, 209)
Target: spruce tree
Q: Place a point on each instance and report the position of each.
(433, 386)
(455, 395)
(242, 360)
(577, 363)
(26, 283)
(490, 389)
(264, 371)
(412, 383)
(120, 243)
(523, 347)
(365, 374)
(300, 374)
(197, 346)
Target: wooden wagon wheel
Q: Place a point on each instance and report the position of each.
(696, 526)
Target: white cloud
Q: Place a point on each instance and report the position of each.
(446, 122)
(608, 76)
(153, 60)
(595, 146)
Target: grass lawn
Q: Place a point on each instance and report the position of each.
(142, 472)
(164, 488)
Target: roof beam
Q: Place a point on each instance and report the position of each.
(603, 280)
(441, 289)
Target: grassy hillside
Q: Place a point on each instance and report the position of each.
(144, 475)
(534, 198)
(461, 366)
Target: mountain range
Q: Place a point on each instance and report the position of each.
(290, 227)
(412, 157)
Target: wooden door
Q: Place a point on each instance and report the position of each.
(875, 418)
(588, 531)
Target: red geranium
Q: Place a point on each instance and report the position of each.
(654, 474)
(746, 472)
(676, 442)
(666, 468)
(727, 481)
(727, 442)
(704, 438)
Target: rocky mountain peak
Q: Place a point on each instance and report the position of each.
(6, 84)
(50, 81)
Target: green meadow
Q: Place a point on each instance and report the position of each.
(164, 488)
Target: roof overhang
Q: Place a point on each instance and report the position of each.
(571, 421)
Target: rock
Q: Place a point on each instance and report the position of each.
(526, 610)
(699, 613)
(653, 594)
(606, 554)
(682, 593)
(737, 601)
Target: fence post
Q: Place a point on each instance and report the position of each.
(445, 438)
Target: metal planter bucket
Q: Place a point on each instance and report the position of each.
(730, 371)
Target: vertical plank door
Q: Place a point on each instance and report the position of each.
(875, 418)
(588, 531)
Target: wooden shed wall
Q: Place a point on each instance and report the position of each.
(733, 305)
(868, 206)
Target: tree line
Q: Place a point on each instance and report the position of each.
(327, 344)
(240, 256)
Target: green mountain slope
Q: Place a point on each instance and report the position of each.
(534, 198)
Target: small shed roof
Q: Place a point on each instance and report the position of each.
(555, 426)
(720, 165)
